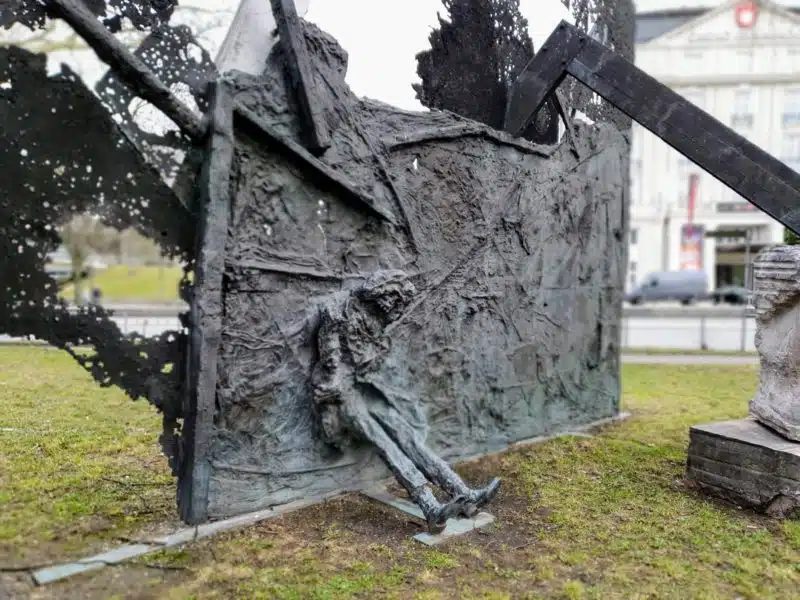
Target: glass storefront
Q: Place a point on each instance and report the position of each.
(730, 275)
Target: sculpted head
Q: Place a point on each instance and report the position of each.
(390, 291)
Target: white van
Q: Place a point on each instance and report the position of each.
(684, 286)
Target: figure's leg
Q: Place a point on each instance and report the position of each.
(434, 468)
(404, 471)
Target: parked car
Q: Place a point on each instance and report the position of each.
(731, 294)
(683, 286)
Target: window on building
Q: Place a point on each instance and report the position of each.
(636, 178)
(791, 107)
(696, 97)
(745, 60)
(634, 237)
(790, 150)
(742, 117)
(632, 273)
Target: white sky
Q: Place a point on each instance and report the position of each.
(382, 64)
(381, 37)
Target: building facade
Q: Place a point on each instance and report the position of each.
(740, 62)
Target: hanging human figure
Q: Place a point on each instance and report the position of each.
(351, 341)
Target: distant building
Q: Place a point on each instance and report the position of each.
(740, 62)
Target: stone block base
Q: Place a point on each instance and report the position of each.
(746, 463)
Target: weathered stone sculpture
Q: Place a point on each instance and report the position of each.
(756, 462)
(777, 302)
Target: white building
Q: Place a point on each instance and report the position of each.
(740, 62)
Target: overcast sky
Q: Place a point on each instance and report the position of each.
(382, 37)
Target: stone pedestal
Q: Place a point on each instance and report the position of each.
(756, 462)
(747, 463)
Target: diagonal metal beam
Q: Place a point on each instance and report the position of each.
(130, 68)
(301, 74)
(332, 179)
(763, 180)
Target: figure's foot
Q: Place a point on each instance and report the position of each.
(488, 493)
(437, 517)
(474, 500)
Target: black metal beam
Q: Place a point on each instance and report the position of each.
(756, 175)
(130, 68)
(301, 74)
(540, 77)
(328, 177)
(207, 307)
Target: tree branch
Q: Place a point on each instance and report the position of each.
(128, 66)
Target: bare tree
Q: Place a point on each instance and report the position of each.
(83, 237)
(56, 38)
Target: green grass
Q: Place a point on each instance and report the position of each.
(603, 517)
(78, 463)
(121, 283)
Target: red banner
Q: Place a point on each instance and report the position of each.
(692, 237)
(746, 14)
(694, 182)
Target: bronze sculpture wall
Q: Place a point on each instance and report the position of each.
(516, 254)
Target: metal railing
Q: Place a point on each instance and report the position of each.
(691, 333)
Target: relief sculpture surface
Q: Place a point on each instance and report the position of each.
(455, 291)
(370, 292)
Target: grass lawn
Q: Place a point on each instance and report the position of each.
(121, 283)
(603, 517)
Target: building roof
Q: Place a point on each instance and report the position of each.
(666, 6)
(651, 26)
(652, 22)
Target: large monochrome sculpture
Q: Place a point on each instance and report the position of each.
(777, 290)
(755, 462)
(370, 291)
(425, 290)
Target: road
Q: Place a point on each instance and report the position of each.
(146, 326)
(669, 327)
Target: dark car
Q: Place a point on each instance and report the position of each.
(731, 294)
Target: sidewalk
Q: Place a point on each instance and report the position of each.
(688, 359)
